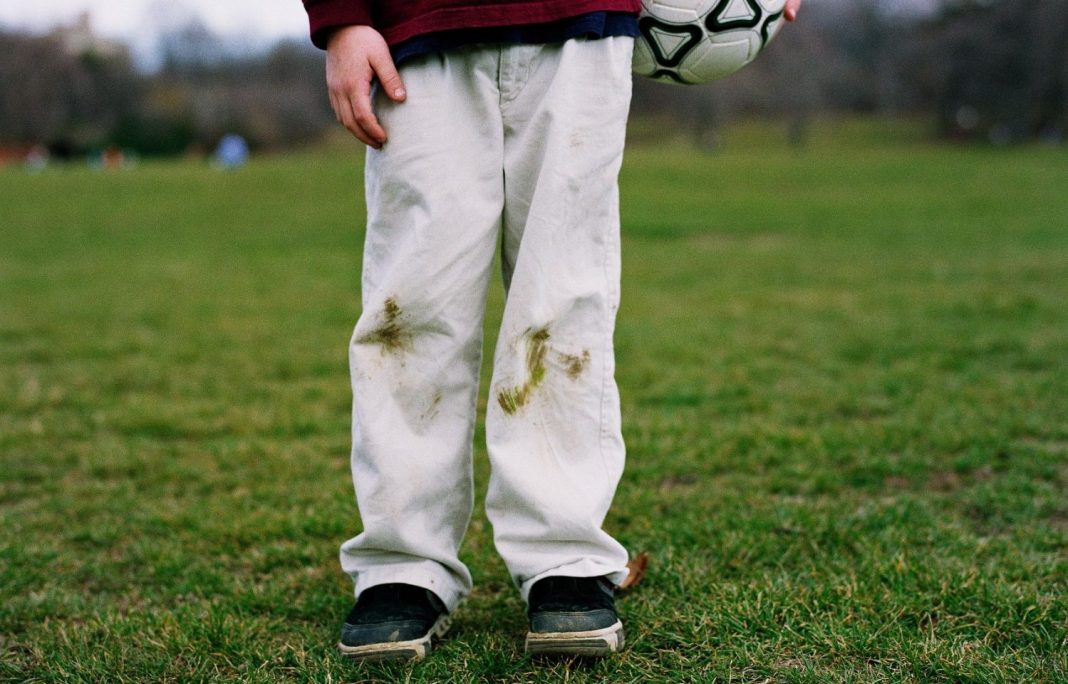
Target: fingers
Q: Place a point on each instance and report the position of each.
(364, 116)
(792, 7)
(386, 71)
(364, 127)
(355, 56)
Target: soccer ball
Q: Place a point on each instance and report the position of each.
(697, 41)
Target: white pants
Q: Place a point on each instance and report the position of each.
(517, 147)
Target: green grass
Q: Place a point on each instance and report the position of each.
(845, 383)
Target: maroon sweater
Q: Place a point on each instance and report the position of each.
(399, 20)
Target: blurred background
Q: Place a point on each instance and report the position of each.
(151, 78)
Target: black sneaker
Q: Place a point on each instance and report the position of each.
(573, 616)
(393, 622)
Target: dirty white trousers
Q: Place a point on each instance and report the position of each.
(517, 148)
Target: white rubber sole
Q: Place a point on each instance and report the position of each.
(415, 649)
(598, 642)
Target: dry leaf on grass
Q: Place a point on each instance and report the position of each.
(637, 567)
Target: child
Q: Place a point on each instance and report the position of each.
(506, 133)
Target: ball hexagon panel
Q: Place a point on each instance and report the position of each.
(717, 60)
(679, 11)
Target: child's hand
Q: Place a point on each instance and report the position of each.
(791, 9)
(355, 55)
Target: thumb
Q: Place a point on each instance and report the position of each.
(387, 75)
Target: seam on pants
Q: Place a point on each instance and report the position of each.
(606, 345)
(515, 62)
(613, 245)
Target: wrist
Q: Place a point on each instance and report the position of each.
(339, 33)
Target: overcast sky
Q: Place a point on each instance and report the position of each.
(254, 19)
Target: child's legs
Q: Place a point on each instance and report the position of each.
(434, 199)
(553, 425)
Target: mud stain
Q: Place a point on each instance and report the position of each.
(514, 398)
(575, 364)
(390, 334)
(433, 409)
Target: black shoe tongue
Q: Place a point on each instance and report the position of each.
(391, 602)
(570, 594)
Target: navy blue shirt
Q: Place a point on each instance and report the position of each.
(591, 25)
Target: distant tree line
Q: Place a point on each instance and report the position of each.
(76, 102)
(52, 97)
(997, 69)
(993, 70)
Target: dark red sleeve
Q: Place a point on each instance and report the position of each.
(325, 15)
(399, 20)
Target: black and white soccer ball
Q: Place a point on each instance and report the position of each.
(697, 41)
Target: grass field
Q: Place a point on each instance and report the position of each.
(844, 373)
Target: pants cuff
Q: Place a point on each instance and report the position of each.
(583, 568)
(426, 574)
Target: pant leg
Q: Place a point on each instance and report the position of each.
(434, 198)
(553, 422)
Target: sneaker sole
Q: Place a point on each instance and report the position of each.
(415, 649)
(598, 642)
